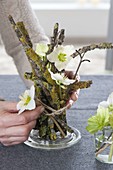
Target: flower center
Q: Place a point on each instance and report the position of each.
(27, 100)
(62, 57)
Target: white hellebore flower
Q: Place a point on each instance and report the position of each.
(61, 56)
(107, 104)
(27, 100)
(61, 78)
(41, 49)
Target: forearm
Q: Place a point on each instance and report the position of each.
(21, 11)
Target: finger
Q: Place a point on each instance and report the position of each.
(70, 74)
(8, 106)
(74, 95)
(73, 98)
(9, 119)
(69, 103)
(18, 131)
(9, 140)
(32, 115)
(13, 143)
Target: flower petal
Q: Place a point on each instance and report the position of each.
(69, 49)
(52, 57)
(110, 99)
(68, 81)
(31, 105)
(72, 64)
(27, 100)
(41, 49)
(32, 92)
(61, 79)
(104, 104)
(19, 105)
(21, 110)
(61, 56)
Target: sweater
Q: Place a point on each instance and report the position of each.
(21, 11)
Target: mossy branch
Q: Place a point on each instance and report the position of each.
(83, 50)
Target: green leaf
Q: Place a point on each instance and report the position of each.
(99, 121)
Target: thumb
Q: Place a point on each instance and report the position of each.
(31, 115)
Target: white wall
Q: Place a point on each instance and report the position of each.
(79, 22)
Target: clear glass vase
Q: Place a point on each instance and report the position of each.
(104, 145)
(70, 139)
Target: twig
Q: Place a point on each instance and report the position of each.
(81, 61)
(63, 134)
(56, 123)
(104, 45)
(104, 143)
(102, 149)
(104, 146)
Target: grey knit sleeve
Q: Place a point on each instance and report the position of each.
(21, 11)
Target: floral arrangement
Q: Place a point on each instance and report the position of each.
(102, 120)
(52, 86)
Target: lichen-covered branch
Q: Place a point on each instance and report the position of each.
(48, 92)
(83, 50)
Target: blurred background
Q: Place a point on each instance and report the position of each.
(85, 22)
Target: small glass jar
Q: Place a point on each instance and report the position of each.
(35, 141)
(104, 145)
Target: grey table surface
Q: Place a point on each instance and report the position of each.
(77, 157)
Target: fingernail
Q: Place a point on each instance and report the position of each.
(71, 102)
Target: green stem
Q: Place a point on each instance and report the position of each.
(60, 93)
(111, 151)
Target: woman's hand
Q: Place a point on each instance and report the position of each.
(74, 95)
(14, 128)
(73, 98)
